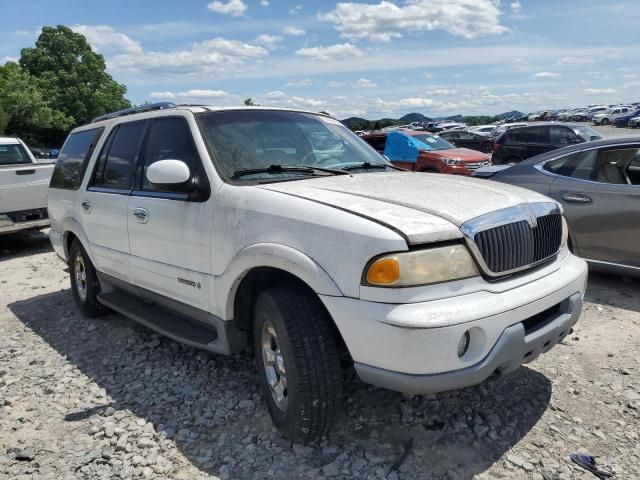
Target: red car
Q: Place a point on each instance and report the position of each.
(425, 152)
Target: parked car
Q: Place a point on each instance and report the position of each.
(225, 229)
(484, 130)
(23, 188)
(578, 115)
(468, 139)
(598, 184)
(426, 152)
(594, 111)
(503, 128)
(610, 115)
(623, 120)
(518, 144)
(563, 117)
(634, 122)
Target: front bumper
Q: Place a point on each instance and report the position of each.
(413, 348)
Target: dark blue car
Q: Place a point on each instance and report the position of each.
(622, 121)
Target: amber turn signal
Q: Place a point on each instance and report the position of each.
(385, 271)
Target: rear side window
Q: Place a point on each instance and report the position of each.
(73, 159)
(117, 160)
(530, 135)
(13, 154)
(577, 165)
(170, 139)
(562, 136)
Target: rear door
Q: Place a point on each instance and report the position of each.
(170, 231)
(600, 192)
(104, 205)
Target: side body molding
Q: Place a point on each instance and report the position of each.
(268, 255)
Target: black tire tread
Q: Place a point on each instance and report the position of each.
(317, 357)
(91, 307)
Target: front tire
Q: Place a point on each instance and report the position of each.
(298, 362)
(604, 121)
(84, 282)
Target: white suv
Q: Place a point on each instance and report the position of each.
(610, 115)
(283, 232)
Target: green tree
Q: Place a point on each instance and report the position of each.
(73, 76)
(249, 102)
(24, 108)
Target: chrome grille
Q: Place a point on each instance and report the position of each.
(516, 238)
(476, 165)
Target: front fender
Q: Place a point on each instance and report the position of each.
(269, 255)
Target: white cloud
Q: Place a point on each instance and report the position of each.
(574, 61)
(364, 83)
(8, 59)
(412, 102)
(335, 84)
(386, 20)
(598, 91)
(630, 75)
(264, 3)
(441, 91)
(631, 85)
(234, 8)
(105, 39)
(545, 75)
(294, 31)
(215, 56)
(306, 102)
(194, 93)
(295, 10)
(516, 7)
(427, 75)
(270, 42)
(339, 51)
(305, 82)
(276, 95)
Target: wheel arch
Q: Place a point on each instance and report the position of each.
(73, 230)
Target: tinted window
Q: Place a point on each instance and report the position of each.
(14, 154)
(73, 158)
(169, 139)
(377, 142)
(577, 165)
(530, 135)
(562, 136)
(116, 163)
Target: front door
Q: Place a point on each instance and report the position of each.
(601, 199)
(170, 233)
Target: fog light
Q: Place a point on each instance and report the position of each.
(463, 345)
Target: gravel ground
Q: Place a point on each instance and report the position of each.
(107, 398)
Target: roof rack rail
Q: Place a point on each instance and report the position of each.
(130, 111)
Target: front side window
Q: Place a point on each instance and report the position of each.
(586, 133)
(578, 165)
(169, 139)
(13, 154)
(242, 140)
(116, 164)
(73, 159)
(562, 136)
(434, 142)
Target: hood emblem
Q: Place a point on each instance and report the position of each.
(530, 215)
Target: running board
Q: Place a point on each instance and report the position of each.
(172, 325)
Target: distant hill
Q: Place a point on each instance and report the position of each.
(413, 117)
(359, 123)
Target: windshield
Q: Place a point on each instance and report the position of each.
(259, 139)
(587, 133)
(433, 142)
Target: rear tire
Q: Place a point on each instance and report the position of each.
(298, 362)
(605, 121)
(84, 282)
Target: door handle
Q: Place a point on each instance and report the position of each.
(141, 214)
(86, 206)
(576, 198)
(31, 171)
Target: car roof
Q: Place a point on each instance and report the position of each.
(9, 141)
(195, 108)
(605, 142)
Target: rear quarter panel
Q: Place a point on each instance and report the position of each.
(24, 187)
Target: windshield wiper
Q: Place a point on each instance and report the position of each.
(288, 168)
(370, 166)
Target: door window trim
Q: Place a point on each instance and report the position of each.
(106, 147)
(540, 165)
(137, 190)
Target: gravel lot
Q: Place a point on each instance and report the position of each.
(107, 398)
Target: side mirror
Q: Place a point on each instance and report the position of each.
(173, 175)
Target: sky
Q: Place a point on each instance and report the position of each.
(370, 59)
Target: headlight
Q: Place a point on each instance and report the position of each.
(452, 161)
(421, 267)
(565, 232)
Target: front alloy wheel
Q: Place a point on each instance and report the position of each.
(274, 368)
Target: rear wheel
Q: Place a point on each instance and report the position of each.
(84, 282)
(604, 121)
(298, 362)
(486, 147)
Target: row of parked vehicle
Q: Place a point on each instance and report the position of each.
(620, 115)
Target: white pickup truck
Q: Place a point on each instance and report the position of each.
(23, 187)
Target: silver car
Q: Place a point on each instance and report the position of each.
(598, 184)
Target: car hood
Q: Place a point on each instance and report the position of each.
(423, 207)
(464, 154)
